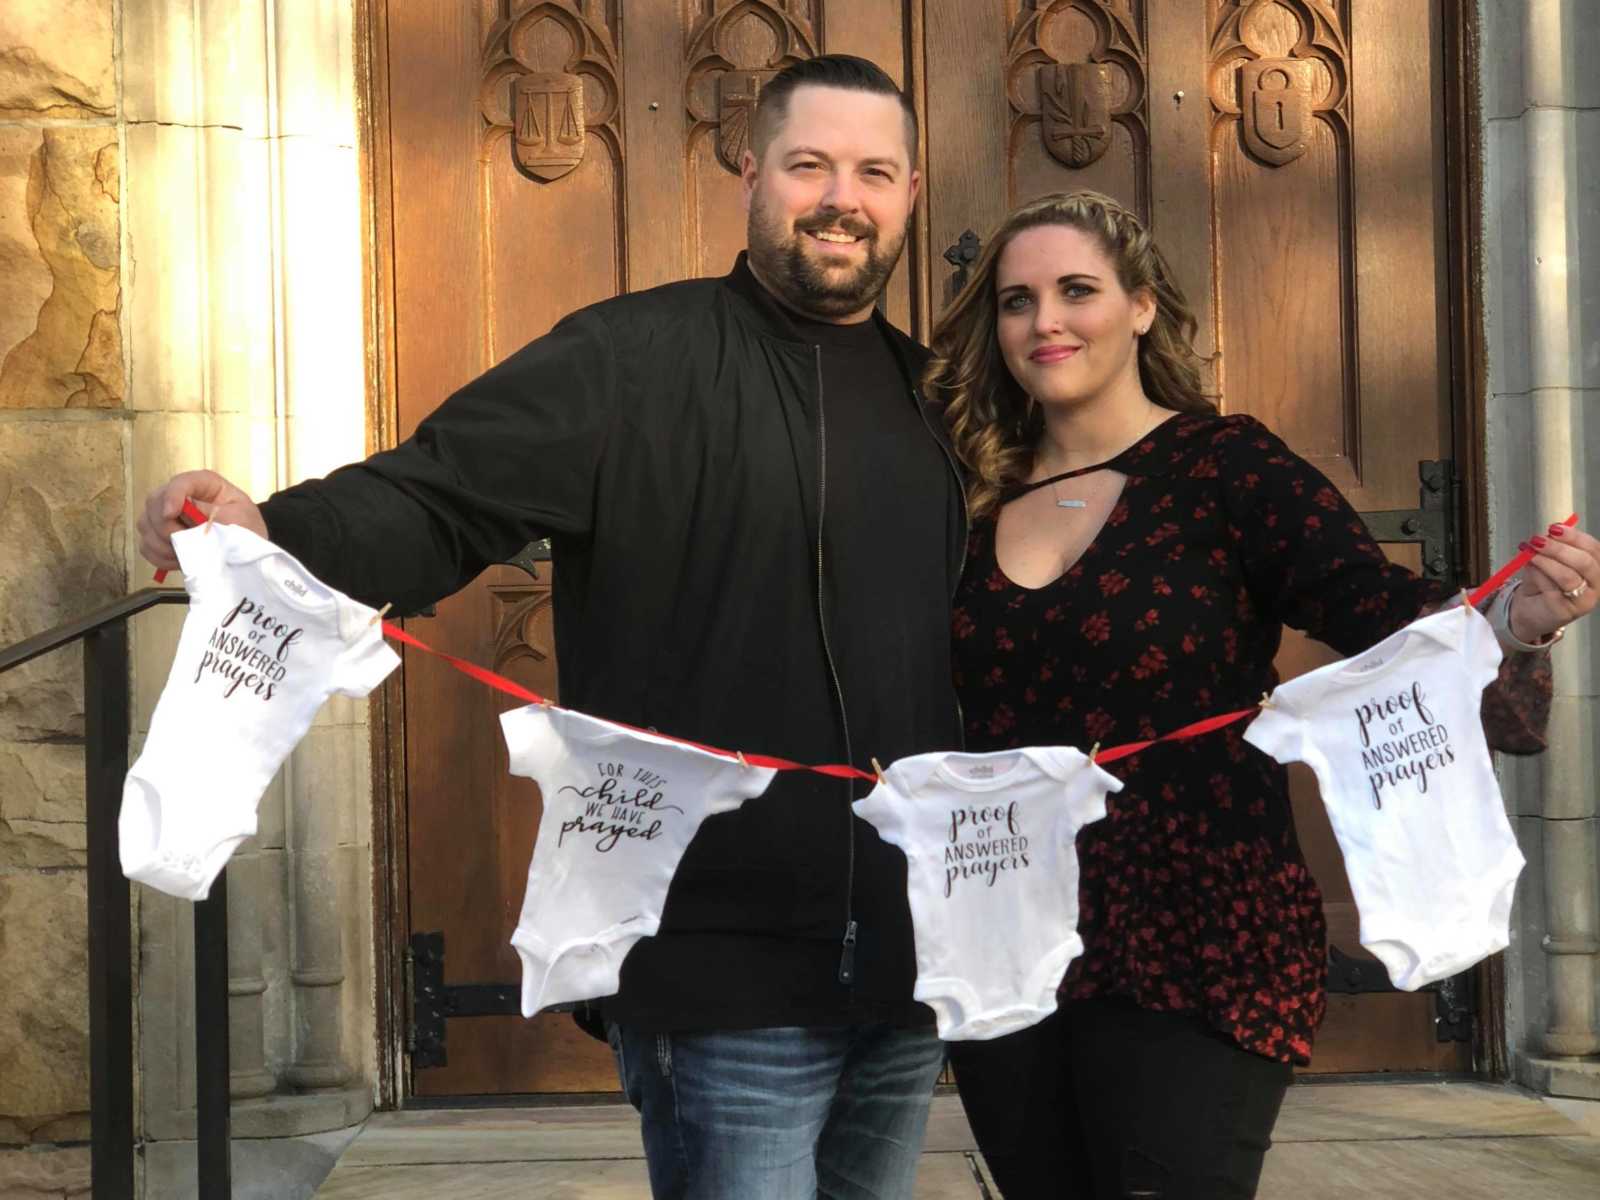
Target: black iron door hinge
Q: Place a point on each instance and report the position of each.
(962, 255)
(432, 1002)
(1435, 524)
(1455, 1001)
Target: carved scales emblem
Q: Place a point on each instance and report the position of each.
(1277, 103)
(547, 116)
(1075, 104)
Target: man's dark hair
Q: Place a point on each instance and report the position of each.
(844, 71)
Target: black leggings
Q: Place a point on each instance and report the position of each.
(1106, 1101)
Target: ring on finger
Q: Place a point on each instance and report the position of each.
(1574, 593)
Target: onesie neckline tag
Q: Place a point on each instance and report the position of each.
(964, 771)
(1383, 657)
(294, 585)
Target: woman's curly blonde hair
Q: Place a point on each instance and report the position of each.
(994, 425)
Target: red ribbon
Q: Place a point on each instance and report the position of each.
(192, 514)
(512, 688)
(1489, 585)
(1208, 725)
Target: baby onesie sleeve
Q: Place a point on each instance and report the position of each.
(368, 660)
(881, 808)
(533, 745)
(200, 557)
(1277, 732)
(731, 783)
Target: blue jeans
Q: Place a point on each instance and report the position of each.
(781, 1114)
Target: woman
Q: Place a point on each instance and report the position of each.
(1133, 559)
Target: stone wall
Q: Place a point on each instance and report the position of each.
(180, 287)
(63, 505)
(1541, 290)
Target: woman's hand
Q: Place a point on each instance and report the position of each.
(1560, 584)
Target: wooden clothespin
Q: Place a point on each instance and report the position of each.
(1094, 751)
(1265, 701)
(739, 754)
(377, 616)
(544, 702)
(878, 769)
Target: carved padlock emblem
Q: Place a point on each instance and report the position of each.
(547, 112)
(1075, 107)
(1277, 107)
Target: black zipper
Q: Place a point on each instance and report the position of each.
(847, 956)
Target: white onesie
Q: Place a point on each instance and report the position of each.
(992, 877)
(1396, 741)
(620, 808)
(263, 645)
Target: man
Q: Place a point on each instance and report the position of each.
(756, 528)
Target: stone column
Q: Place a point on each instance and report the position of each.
(200, 320)
(244, 223)
(316, 178)
(1560, 142)
(318, 970)
(1542, 299)
(248, 1076)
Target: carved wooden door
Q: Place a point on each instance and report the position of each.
(541, 156)
(1289, 157)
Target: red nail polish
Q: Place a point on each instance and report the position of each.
(1539, 543)
(1524, 547)
(1558, 531)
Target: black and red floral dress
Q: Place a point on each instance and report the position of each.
(1194, 894)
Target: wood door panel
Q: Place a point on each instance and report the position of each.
(1089, 131)
(1401, 255)
(1317, 277)
(506, 218)
(1303, 226)
(1281, 281)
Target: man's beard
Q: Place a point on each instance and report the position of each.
(781, 260)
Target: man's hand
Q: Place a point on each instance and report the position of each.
(212, 495)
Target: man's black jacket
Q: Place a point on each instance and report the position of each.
(668, 444)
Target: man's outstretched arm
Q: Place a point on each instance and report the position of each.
(509, 458)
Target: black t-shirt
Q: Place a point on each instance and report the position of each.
(886, 504)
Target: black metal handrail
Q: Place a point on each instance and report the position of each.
(106, 728)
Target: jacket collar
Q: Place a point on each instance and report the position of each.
(742, 282)
(776, 322)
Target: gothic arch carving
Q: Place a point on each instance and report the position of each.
(550, 79)
(1277, 66)
(733, 49)
(1077, 68)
